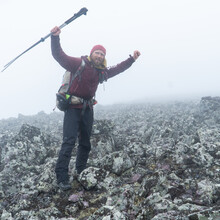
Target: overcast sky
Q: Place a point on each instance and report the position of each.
(178, 41)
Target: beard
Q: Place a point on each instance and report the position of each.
(97, 61)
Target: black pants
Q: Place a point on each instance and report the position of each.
(75, 124)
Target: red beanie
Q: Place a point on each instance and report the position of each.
(98, 47)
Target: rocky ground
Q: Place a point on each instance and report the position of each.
(148, 161)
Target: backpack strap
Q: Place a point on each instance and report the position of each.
(102, 76)
(77, 73)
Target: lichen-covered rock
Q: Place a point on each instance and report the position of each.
(91, 176)
(6, 215)
(148, 161)
(24, 157)
(116, 162)
(210, 213)
(107, 213)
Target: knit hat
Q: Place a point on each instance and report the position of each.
(98, 47)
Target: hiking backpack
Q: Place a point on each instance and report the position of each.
(63, 98)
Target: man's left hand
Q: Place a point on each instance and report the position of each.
(136, 54)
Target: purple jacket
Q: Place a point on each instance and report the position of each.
(87, 86)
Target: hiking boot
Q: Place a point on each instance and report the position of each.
(64, 185)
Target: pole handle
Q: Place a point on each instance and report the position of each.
(82, 11)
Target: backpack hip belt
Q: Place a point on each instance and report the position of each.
(74, 100)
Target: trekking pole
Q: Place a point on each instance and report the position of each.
(81, 12)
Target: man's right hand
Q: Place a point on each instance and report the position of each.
(56, 31)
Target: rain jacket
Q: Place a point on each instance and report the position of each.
(85, 87)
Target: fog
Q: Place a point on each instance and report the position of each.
(178, 41)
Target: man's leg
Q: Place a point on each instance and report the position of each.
(84, 140)
(70, 131)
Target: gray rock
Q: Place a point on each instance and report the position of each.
(148, 161)
(91, 176)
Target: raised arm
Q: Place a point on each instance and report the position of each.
(67, 62)
(121, 67)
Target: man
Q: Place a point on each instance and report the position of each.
(78, 119)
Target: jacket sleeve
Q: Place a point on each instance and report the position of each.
(67, 62)
(119, 68)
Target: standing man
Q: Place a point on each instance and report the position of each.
(78, 119)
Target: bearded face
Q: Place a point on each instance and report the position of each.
(97, 57)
